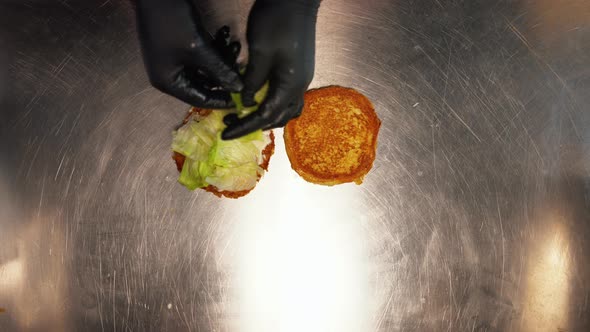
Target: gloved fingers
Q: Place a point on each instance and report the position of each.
(298, 109)
(223, 34)
(235, 47)
(257, 72)
(208, 60)
(244, 126)
(284, 101)
(229, 49)
(291, 111)
(288, 85)
(230, 119)
(273, 112)
(193, 93)
(200, 78)
(294, 110)
(230, 54)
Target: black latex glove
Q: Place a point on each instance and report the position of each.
(281, 38)
(181, 57)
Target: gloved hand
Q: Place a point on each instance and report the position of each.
(182, 59)
(281, 37)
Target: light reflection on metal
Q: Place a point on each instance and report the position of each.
(302, 260)
(547, 283)
(11, 276)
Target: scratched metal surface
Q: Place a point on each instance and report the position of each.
(474, 218)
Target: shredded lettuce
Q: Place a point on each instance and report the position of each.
(194, 139)
(228, 165)
(258, 98)
(193, 174)
(237, 178)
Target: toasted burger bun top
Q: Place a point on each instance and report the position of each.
(334, 139)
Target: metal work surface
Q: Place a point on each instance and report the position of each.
(475, 217)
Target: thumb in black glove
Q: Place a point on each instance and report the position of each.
(281, 38)
(181, 57)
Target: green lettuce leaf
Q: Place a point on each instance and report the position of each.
(258, 98)
(193, 174)
(228, 165)
(243, 177)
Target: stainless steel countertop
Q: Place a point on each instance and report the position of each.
(476, 216)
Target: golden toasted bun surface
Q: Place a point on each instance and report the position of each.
(334, 139)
